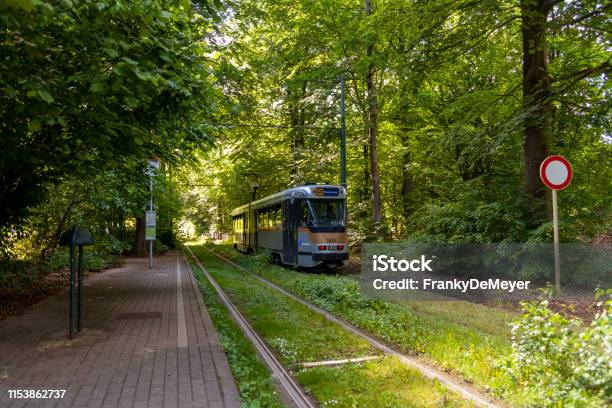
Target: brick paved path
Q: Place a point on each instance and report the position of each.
(147, 341)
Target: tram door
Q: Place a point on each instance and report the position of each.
(290, 219)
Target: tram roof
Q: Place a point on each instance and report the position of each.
(318, 191)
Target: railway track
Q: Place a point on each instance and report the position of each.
(477, 398)
(292, 389)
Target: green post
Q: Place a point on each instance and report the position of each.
(342, 134)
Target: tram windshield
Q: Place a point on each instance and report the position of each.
(326, 213)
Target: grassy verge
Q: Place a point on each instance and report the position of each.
(459, 337)
(386, 383)
(298, 334)
(252, 377)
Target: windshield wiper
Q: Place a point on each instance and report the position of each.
(312, 212)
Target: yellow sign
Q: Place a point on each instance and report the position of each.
(318, 191)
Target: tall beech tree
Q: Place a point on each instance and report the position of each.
(536, 90)
(372, 99)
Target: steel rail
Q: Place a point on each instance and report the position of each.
(293, 390)
(430, 372)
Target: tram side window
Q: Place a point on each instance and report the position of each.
(270, 217)
(277, 216)
(238, 224)
(262, 218)
(273, 216)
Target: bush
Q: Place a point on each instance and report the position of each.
(94, 259)
(107, 243)
(560, 360)
(159, 247)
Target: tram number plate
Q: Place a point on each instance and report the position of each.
(332, 247)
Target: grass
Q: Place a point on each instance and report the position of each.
(466, 339)
(487, 320)
(298, 334)
(252, 376)
(386, 383)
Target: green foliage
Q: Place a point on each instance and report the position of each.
(560, 360)
(281, 322)
(448, 77)
(87, 85)
(109, 244)
(254, 381)
(462, 338)
(159, 247)
(18, 277)
(381, 383)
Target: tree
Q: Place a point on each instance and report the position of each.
(536, 91)
(443, 82)
(372, 132)
(85, 84)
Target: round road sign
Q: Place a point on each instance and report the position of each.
(556, 172)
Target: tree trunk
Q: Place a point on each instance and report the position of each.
(139, 239)
(373, 130)
(297, 121)
(122, 226)
(536, 90)
(59, 230)
(407, 186)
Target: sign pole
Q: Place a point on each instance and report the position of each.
(556, 242)
(556, 174)
(150, 217)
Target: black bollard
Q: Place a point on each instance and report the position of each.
(80, 289)
(73, 238)
(72, 302)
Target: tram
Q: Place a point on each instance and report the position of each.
(302, 226)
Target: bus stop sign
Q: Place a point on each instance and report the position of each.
(150, 225)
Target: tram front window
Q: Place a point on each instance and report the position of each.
(326, 213)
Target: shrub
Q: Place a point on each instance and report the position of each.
(159, 247)
(561, 360)
(107, 243)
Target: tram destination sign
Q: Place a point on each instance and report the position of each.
(327, 191)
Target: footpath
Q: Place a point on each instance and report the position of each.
(147, 341)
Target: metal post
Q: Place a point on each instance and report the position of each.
(80, 290)
(71, 292)
(556, 243)
(342, 134)
(150, 209)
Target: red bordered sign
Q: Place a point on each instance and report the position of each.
(556, 172)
